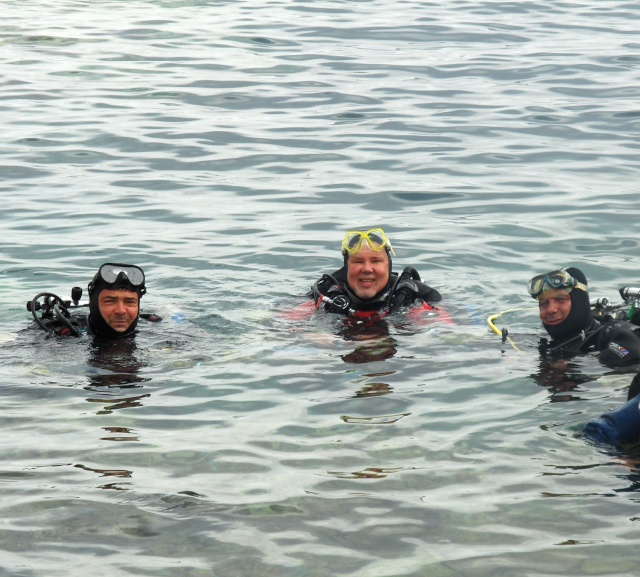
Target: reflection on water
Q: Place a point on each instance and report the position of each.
(119, 363)
(377, 420)
(120, 434)
(373, 338)
(116, 486)
(373, 390)
(368, 473)
(115, 404)
(563, 379)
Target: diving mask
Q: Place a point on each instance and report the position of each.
(375, 238)
(111, 273)
(557, 279)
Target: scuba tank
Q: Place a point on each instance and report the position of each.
(632, 295)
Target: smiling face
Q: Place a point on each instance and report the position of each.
(555, 306)
(119, 308)
(368, 272)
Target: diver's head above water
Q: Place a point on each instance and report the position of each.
(367, 259)
(114, 300)
(563, 298)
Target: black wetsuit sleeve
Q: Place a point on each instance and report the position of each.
(622, 349)
(428, 294)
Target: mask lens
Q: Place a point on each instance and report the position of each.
(559, 279)
(376, 241)
(375, 238)
(555, 279)
(110, 273)
(535, 285)
(354, 241)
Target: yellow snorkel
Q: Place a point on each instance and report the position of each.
(503, 333)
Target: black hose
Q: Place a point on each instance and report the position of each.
(34, 305)
(59, 308)
(64, 319)
(399, 299)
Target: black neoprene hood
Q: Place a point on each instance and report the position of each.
(579, 318)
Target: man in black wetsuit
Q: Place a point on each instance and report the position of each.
(114, 300)
(565, 312)
(114, 305)
(365, 285)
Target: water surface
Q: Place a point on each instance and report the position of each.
(225, 147)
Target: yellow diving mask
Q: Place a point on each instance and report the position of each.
(375, 238)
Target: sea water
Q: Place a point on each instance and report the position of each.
(226, 147)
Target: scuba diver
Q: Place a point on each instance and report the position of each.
(567, 316)
(620, 426)
(578, 325)
(114, 305)
(365, 285)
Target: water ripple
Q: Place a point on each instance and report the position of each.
(226, 147)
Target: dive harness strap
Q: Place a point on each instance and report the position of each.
(404, 291)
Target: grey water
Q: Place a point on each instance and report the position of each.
(226, 147)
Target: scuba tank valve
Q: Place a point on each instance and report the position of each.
(630, 292)
(599, 303)
(76, 294)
